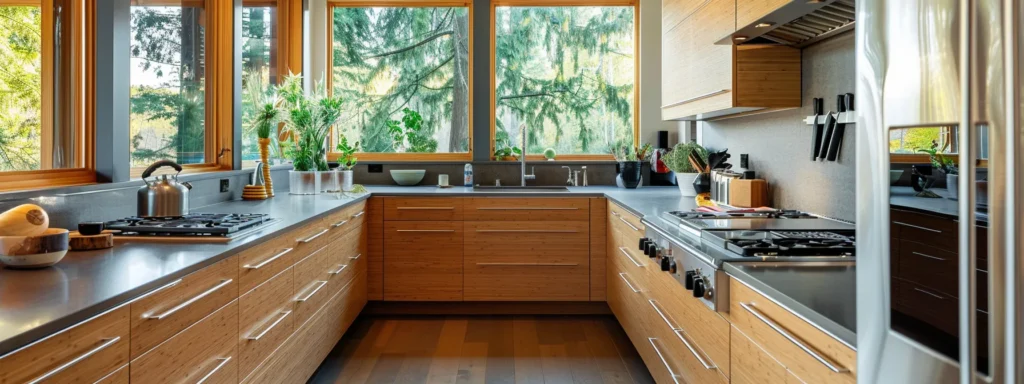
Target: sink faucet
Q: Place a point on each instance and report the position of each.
(522, 160)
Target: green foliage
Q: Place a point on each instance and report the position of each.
(678, 160)
(940, 161)
(503, 146)
(348, 154)
(624, 150)
(409, 136)
(262, 117)
(308, 119)
(20, 86)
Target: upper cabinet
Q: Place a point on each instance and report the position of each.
(702, 79)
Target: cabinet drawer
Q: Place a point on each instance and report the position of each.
(309, 239)
(927, 305)
(83, 353)
(264, 261)
(120, 376)
(933, 230)
(346, 252)
(312, 275)
(931, 267)
(624, 220)
(823, 359)
(176, 306)
(626, 248)
(205, 352)
(703, 329)
(677, 348)
(423, 260)
(527, 209)
(752, 365)
(347, 219)
(422, 208)
(266, 318)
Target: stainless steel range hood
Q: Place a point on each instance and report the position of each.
(798, 23)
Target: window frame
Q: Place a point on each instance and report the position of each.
(82, 34)
(923, 158)
(566, 3)
(375, 156)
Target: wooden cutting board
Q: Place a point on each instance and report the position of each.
(80, 242)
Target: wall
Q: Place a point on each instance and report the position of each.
(779, 143)
(650, 76)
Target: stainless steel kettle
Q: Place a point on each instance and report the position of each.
(163, 196)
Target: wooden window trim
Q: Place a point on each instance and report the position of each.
(367, 156)
(568, 3)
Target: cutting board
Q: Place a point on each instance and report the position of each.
(80, 242)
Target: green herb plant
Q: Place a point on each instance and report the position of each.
(939, 160)
(408, 134)
(348, 160)
(678, 159)
(308, 120)
(503, 146)
(624, 151)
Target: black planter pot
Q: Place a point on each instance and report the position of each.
(630, 172)
(702, 184)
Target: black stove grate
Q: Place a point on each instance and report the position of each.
(218, 224)
(795, 243)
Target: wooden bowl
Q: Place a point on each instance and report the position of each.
(25, 252)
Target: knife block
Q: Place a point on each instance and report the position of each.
(748, 193)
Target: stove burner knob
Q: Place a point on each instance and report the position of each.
(698, 287)
(643, 243)
(688, 281)
(667, 264)
(672, 268)
(652, 249)
(710, 294)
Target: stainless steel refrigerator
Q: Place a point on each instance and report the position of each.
(938, 278)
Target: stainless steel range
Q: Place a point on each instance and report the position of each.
(192, 225)
(696, 245)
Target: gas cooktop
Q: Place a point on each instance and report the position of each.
(197, 224)
(787, 243)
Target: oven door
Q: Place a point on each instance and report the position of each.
(932, 308)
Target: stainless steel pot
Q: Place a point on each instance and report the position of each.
(163, 196)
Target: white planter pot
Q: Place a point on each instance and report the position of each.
(304, 183)
(685, 183)
(952, 183)
(346, 180)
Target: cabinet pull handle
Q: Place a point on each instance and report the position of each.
(268, 260)
(355, 216)
(341, 267)
(928, 256)
(426, 230)
(793, 339)
(208, 292)
(675, 376)
(106, 344)
(223, 362)
(630, 257)
(628, 284)
(526, 231)
(529, 264)
(629, 224)
(311, 238)
(527, 209)
(929, 294)
(420, 209)
(356, 257)
(283, 314)
(319, 284)
(695, 98)
(681, 334)
(917, 226)
(338, 224)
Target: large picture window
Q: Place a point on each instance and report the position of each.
(404, 76)
(565, 75)
(260, 65)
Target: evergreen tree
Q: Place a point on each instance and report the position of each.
(20, 87)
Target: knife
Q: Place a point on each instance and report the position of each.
(819, 108)
(826, 138)
(844, 101)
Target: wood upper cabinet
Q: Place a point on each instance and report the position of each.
(702, 79)
(749, 11)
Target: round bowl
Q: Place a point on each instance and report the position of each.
(408, 176)
(894, 175)
(34, 251)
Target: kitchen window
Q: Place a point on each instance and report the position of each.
(566, 75)
(43, 130)
(404, 75)
(263, 63)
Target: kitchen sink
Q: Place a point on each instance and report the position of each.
(528, 189)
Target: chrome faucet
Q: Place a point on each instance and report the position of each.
(522, 160)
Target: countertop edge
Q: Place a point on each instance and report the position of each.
(831, 328)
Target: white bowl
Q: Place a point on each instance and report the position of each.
(34, 251)
(408, 176)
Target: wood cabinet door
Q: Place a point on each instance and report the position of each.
(695, 71)
(423, 261)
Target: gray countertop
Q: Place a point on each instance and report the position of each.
(37, 303)
(903, 197)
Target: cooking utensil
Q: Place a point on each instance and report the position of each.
(845, 102)
(698, 162)
(830, 127)
(819, 129)
(163, 196)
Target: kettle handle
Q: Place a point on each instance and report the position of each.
(153, 167)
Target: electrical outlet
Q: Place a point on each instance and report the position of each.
(744, 161)
(375, 168)
(225, 185)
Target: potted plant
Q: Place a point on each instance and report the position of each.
(504, 150)
(678, 161)
(308, 119)
(263, 120)
(631, 160)
(946, 165)
(347, 162)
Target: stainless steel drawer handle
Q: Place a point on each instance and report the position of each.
(422, 209)
(339, 270)
(311, 238)
(529, 264)
(223, 361)
(268, 260)
(630, 257)
(338, 224)
(426, 230)
(527, 209)
(793, 339)
(672, 373)
(681, 334)
(917, 226)
(628, 284)
(63, 367)
(208, 292)
(356, 257)
(929, 294)
(629, 224)
(271, 327)
(356, 216)
(319, 285)
(526, 231)
(928, 256)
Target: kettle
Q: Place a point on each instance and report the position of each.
(163, 196)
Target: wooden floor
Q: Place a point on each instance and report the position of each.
(484, 349)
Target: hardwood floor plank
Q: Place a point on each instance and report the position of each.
(528, 366)
(386, 369)
(346, 354)
(634, 363)
(416, 340)
(555, 365)
(368, 354)
(605, 353)
(444, 367)
(473, 365)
